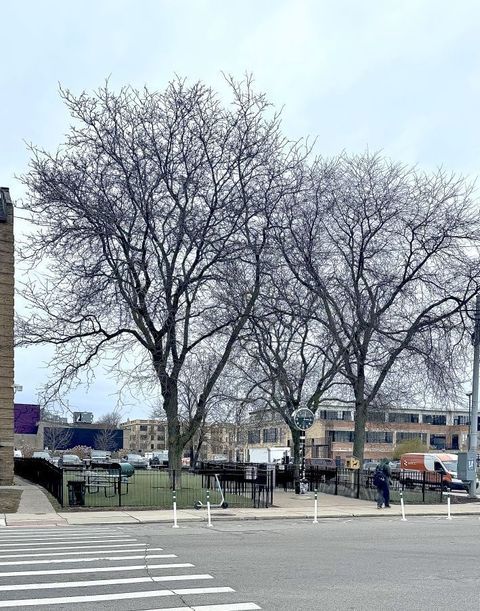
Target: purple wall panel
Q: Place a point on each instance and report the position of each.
(25, 418)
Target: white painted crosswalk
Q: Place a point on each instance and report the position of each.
(83, 568)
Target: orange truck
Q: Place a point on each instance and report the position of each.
(434, 463)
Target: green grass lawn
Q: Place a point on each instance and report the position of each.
(151, 488)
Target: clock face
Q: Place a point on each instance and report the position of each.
(303, 418)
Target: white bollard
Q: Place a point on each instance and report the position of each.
(175, 525)
(404, 519)
(315, 514)
(209, 517)
(449, 515)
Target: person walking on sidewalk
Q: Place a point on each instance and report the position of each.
(381, 480)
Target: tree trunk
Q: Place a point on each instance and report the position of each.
(296, 457)
(175, 453)
(360, 424)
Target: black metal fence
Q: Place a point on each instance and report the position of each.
(416, 486)
(42, 472)
(109, 486)
(255, 481)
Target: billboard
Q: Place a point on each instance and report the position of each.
(25, 418)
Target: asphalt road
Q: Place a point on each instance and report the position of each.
(360, 564)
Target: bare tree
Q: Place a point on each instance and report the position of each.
(113, 418)
(106, 438)
(392, 255)
(154, 217)
(57, 437)
(291, 359)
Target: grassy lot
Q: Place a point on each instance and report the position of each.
(151, 488)
(9, 500)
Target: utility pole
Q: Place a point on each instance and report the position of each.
(473, 437)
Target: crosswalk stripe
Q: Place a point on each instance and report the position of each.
(61, 600)
(89, 551)
(94, 559)
(49, 544)
(49, 537)
(125, 547)
(103, 569)
(228, 607)
(101, 582)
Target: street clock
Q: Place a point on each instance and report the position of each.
(303, 418)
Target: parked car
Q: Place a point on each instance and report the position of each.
(41, 454)
(137, 461)
(370, 465)
(69, 461)
(99, 458)
(17, 453)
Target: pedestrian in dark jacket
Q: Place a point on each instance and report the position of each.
(385, 485)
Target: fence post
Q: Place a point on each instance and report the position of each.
(357, 475)
(423, 486)
(336, 481)
(119, 486)
(315, 513)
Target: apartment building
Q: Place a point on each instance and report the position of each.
(219, 441)
(332, 433)
(145, 435)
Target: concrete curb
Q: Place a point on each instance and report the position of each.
(116, 518)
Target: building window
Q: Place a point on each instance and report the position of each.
(461, 420)
(328, 414)
(341, 436)
(143, 427)
(438, 441)
(435, 419)
(376, 416)
(404, 418)
(379, 437)
(253, 436)
(408, 436)
(270, 435)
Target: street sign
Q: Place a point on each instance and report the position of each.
(303, 418)
(352, 463)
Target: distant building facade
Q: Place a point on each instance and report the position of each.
(332, 433)
(145, 435)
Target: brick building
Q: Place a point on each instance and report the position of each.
(6, 337)
(331, 435)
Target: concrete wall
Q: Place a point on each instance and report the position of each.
(6, 339)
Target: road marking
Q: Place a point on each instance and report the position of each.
(43, 543)
(132, 547)
(102, 582)
(40, 537)
(35, 602)
(103, 569)
(231, 607)
(95, 559)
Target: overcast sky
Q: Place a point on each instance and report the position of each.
(403, 77)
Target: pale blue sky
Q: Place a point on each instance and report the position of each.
(403, 77)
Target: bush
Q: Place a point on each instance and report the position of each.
(411, 445)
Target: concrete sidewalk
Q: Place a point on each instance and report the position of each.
(34, 511)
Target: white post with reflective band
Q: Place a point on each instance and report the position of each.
(404, 519)
(209, 516)
(315, 513)
(449, 515)
(175, 525)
